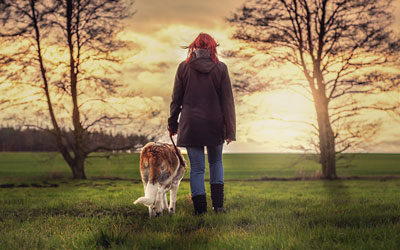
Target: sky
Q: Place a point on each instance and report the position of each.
(159, 29)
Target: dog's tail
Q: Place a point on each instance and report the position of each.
(150, 195)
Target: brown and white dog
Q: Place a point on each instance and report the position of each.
(161, 171)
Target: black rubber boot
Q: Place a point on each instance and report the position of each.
(217, 197)
(200, 204)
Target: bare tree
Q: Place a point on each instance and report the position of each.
(346, 52)
(70, 51)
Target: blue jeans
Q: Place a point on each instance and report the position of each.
(198, 167)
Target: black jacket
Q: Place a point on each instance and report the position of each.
(203, 96)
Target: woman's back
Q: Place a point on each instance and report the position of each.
(203, 95)
(202, 88)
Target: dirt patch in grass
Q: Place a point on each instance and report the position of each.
(267, 178)
(311, 178)
(114, 178)
(91, 184)
(44, 184)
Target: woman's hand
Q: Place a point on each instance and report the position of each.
(171, 133)
(228, 141)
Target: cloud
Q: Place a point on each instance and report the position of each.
(385, 146)
(151, 71)
(153, 15)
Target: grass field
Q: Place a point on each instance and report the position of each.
(20, 166)
(48, 210)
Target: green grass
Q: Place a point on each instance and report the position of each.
(93, 214)
(288, 215)
(237, 166)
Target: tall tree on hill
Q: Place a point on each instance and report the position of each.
(345, 50)
(68, 49)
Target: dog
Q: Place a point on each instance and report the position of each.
(161, 170)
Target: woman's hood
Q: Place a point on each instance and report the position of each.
(202, 61)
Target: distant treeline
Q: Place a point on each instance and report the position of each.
(17, 139)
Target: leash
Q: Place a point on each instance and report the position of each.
(181, 161)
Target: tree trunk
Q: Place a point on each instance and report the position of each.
(78, 171)
(57, 131)
(326, 137)
(78, 168)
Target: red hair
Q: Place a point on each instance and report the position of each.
(203, 41)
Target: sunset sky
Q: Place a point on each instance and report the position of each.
(160, 28)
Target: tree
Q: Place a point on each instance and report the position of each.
(69, 50)
(345, 50)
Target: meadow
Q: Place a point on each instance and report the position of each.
(42, 208)
(36, 166)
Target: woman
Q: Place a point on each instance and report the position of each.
(202, 94)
